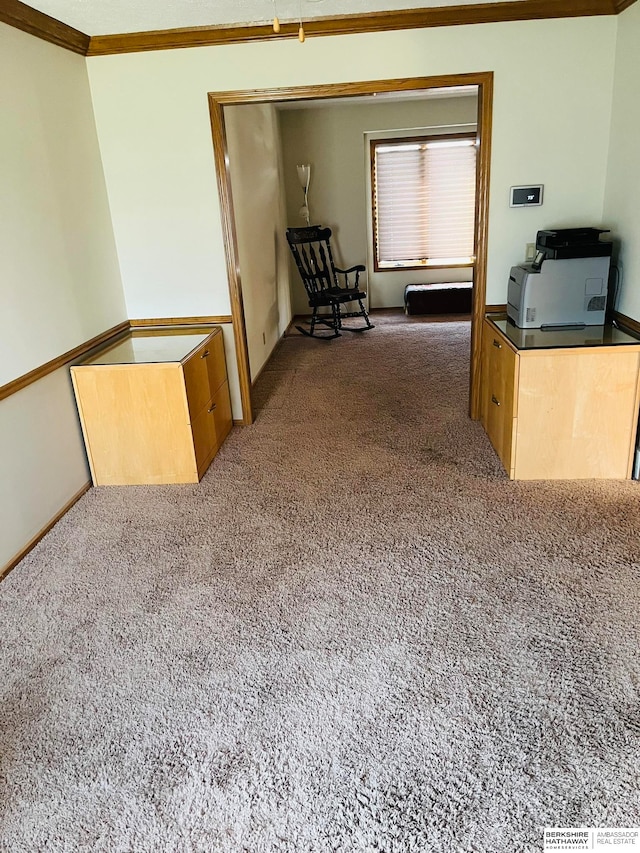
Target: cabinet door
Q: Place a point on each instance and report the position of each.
(135, 422)
(499, 368)
(577, 413)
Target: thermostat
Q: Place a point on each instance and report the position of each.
(526, 196)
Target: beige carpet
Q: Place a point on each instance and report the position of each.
(354, 635)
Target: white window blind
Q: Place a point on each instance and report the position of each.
(424, 202)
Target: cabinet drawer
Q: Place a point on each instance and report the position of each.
(211, 426)
(500, 364)
(216, 363)
(196, 377)
(204, 372)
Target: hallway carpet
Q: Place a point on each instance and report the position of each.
(354, 635)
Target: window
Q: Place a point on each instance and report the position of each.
(424, 193)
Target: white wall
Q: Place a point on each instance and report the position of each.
(59, 277)
(58, 266)
(335, 141)
(550, 124)
(254, 150)
(42, 462)
(623, 179)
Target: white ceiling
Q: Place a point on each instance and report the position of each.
(102, 17)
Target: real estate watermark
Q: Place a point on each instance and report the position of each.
(564, 838)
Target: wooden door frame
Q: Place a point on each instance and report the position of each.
(219, 100)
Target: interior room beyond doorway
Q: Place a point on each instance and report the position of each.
(266, 135)
(335, 138)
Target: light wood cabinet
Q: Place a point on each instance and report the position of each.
(560, 405)
(154, 407)
(499, 397)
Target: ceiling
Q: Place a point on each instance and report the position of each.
(103, 17)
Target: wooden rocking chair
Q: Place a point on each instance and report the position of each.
(311, 249)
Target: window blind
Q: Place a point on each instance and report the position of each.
(424, 202)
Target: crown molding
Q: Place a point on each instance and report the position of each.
(29, 20)
(438, 16)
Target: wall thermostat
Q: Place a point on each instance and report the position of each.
(526, 196)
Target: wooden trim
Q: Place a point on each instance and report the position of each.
(230, 240)
(55, 364)
(496, 309)
(111, 336)
(485, 121)
(346, 90)
(291, 326)
(275, 349)
(628, 322)
(34, 541)
(29, 20)
(436, 16)
(255, 378)
(217, 102)
(182, 321)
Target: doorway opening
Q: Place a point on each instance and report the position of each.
(218, 101)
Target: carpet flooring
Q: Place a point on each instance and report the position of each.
(354, 635)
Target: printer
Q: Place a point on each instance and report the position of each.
(566, 284)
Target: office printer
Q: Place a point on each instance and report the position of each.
(566, 284)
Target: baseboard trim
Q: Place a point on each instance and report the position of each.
(292, 325)
(496, 309)
(220, 319)
(31, 544)
(260, 372)
(275, 349)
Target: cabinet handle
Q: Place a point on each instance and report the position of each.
(205, 354)
(496, 344)
(495, 400)
(211, 409)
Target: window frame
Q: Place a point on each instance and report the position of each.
(422, 139)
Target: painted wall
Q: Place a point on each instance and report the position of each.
(59, 277)
(623, 179)
(335, 141)
(42, 460)
(254, 149)
(551, 123)
(58, 265)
